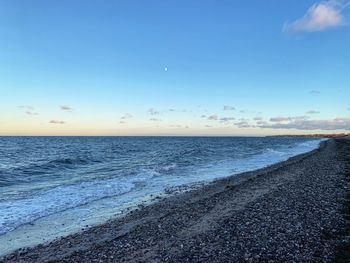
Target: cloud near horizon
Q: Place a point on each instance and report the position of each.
(155, 119)
(26, 107)
(31, 113)
(57, 122)
(304, 124)
(280, 119)
(319, 17)
(66, 108)
(176, 126)
(213, 117)
(126, 116)
(261, 122)
(227, 119)
(227, 107)
(29, 110)
(312, 112)
(285, 119)
(153, 111)
(243, 124)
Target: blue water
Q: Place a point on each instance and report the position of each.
(42, 176)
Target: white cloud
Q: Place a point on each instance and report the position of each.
(261, 123)
(27, 107)
(213, 117)
(243, 124)
(319, 17)
(126, 116)
(227, 107)
(155, 119)
(29, 110)
(279, 119)
(303, 124)
(226, 119)
(56, 122)
(312, 112)
(286, 119)
(258, 119)
(315, 92)
(176, 126)
(66, 108)
(153, 111)
(31, 113)
(296, 118)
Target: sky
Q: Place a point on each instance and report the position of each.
(171, 67)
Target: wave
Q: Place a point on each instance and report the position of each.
(69, 161)
(66, 163)
(28, 173)
(58, 163)
(18, 212)
(169, 168)
(269, 156)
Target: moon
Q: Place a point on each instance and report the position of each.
(165, 69)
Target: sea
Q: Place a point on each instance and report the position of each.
(55, 186)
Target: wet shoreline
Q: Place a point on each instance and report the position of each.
(287, 211)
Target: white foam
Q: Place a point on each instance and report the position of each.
(17, 212)
(169, 167)
(212, 171)
(97, 201)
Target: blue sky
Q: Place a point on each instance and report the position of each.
(171, 67)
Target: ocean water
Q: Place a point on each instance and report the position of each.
(45, 181)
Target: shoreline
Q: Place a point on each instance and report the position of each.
(47, 228)
(183, 220)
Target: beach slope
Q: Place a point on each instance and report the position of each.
(291, 211)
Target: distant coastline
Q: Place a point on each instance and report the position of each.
(315, 135)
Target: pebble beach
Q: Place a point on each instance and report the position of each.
(293, 211)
